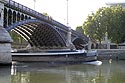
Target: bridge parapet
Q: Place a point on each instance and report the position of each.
(16, 6)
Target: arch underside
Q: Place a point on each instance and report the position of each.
(38, 34)
(79, 43)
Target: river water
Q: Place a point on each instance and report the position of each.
(108, 72)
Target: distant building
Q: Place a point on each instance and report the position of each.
(115, 4)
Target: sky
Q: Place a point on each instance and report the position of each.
(78, 10)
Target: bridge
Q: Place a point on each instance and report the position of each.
(38, 30)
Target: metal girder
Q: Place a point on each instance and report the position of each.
(38, 33)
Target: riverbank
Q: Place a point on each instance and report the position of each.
(106, 54)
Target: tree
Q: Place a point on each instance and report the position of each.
(80, 29)
(106, 21)
(117, 25)
(46, 14)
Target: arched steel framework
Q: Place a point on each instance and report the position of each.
(38, 33)
(16, 17)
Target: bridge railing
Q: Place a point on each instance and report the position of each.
(34, 13)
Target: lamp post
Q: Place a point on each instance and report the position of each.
(69, 34)
(34, 3)
(67, 12)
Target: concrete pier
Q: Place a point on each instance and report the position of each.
(5, 47)
(5, 40)
(5, 53)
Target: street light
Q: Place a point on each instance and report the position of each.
(69, 42)
(34, 3)
(67, 13)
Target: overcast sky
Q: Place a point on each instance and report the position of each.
(78, 9)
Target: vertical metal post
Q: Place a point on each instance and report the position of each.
(34, 4)
(67, 13)
(69, 41)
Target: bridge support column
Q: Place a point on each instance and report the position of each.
(5, 47)
(69, 43)
(89, 44)
(5, 40)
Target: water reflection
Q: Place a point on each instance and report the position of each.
(5, 76)
(43, 73)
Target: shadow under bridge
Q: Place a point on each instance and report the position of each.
(38, 33)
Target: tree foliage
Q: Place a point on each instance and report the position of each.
(80, 29)
(106, 21)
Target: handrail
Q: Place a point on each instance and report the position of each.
(35, 13)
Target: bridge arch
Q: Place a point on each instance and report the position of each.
(38, 33)
(79, 43)
(25, 13)
(5, 17)
(9, 17)
(14, 17)
(22, 16)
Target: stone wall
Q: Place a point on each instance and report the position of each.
(106, 54)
